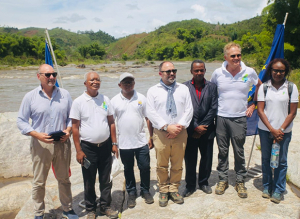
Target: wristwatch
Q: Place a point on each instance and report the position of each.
(166, 127)
(114, 143)
(282, 129)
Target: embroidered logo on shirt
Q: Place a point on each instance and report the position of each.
(245, 78)
(283, 92)
(104, 106)
(140, 103)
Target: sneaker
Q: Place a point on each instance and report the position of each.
(276, 198)
(241, 189)
(70, 215)
(39, 217)
(266, 193)
(206, 189)
(131, 201)
(91, 215)
(221, 187)
(148, 197)
(163, 199)
(188, 192)
(176, 198)
(109, 212)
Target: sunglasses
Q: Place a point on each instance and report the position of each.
(236, 55)
(276, 71)
(47, 75)
(199, 70)
(169, 71)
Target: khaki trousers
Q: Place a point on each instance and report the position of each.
(169, 150)
(42, 156)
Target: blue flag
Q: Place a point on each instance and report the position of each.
(277, 51)
(48, 58)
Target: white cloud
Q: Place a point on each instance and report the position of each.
(73, 18)
(185, 11)
(198, 8)
(98, 19)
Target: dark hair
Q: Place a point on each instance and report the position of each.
(197, 61)
(161, 64)
(274, 61)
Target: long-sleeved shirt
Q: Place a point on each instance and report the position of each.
(156, 106)
(47, 115)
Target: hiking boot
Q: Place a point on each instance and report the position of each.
(176, 198)
(163, 199)
(69, 215)
(91, 215)
(266, 193)
(241, 189)
(206, 189)
(109, 212)
(276, 198)
(148, 197)
(221, 187)
(131, 201)
(188, 192)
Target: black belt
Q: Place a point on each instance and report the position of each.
(93, 144)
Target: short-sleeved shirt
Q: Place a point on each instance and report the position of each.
(92, 113)
(233, 91)
(276, 105)
(47, 115)
(130, 115)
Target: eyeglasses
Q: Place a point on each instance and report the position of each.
(127, 82)
(169, 71)
(236, 55)
(47, 75)
(276, 71)
(199, 70)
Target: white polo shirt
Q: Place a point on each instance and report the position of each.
(130, 116)
(156, 106)
(276, 105)
(92, 113)
(233, 91)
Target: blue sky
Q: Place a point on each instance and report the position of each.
(122, 18)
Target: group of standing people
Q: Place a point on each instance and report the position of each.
(181, 118)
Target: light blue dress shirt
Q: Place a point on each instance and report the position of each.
(47, 115)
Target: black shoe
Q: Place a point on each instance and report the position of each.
(148, 197)
(188, 192)
(109, 213)
(131, 201)
(176, 198)
(163, 199)
(206, 189)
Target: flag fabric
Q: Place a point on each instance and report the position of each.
(48, 60)
(277, 51)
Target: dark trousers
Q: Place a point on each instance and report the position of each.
(233, 129)
(205, 146)
(143, 162)
(101, 160)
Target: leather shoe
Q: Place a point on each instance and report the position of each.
(206, 189)
(188, 192)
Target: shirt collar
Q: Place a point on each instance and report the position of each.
(203, 85)
(124, 98)
(225, 63)
(55, 90)
(285, 84)
(88, 97)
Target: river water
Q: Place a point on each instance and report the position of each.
(14, 84)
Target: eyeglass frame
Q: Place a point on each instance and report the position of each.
(170, 70)
(48, 75)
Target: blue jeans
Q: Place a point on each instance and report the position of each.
(143, 161)
(276, 183)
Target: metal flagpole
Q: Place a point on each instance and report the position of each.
(56, 66)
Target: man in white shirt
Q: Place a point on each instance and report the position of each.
(233, 80)
(94, 136)
(170, 110)
(130, 112)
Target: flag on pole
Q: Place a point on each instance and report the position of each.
(277, 51)
(48, 60)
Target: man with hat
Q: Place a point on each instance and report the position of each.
(130, 112)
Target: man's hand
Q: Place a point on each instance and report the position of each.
(170, 136)
(79, 157)
(250, 110)
(150, 143)
(66, 136)
(201, 129)
(115, 150)
(174, 129)
(44, 137)
(196, 135)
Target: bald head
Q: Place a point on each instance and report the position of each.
(86, 75)
(45, 68)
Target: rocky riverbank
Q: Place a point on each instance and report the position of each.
(15, 161)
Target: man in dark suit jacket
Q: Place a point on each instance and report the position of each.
(201, 131)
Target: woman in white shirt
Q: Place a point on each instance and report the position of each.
(277, 108)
